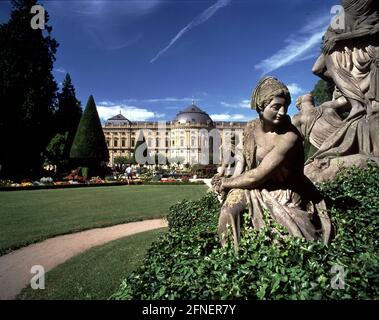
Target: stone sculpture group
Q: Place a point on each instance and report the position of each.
(269, 172)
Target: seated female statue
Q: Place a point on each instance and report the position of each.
(271, 176)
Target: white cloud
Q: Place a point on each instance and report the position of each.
(130, 112)
(317, 23)
(200, 19)
(228, 117)
(106, 103)
(300, 46)
(60, 70)
(295, 89)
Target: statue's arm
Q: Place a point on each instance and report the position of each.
(352, 34)
(255, 177)
(240, 163)
(296, 121)
(341, 102)
(319, 68)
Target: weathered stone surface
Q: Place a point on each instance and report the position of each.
(269, 174)
(350, 59)
(326, 169)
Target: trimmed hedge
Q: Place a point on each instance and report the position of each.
(188, 262)
(89, 142)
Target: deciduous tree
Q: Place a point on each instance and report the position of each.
(27, 92)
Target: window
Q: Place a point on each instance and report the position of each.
(123, 142)
(133, 142)
(166, 143)
(182, 142)
(192, 142)
(108, 143)
(157, 142)
(115, 142)
(173, 142)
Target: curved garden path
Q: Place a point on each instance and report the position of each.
(15, 267)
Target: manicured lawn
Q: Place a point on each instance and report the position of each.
(97, 273)
(31, 216)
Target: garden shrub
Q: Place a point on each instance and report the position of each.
(188, 262)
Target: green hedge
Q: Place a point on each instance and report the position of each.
(188, 262)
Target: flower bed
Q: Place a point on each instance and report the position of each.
(48, 183)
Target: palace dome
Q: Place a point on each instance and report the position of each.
(193, 114)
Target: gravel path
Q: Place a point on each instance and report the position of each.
(15, 267)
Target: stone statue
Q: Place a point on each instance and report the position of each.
(316, 124)
(350, 59)
(269, 173)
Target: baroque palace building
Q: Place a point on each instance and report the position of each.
(187, 138)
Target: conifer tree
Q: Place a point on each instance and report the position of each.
(89, 148)
(67, 117)
(69, 111)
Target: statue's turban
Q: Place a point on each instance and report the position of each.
(266, 90)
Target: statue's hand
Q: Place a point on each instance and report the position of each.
(222, 186)
(330, 44)
(221, 171)
(217, 185)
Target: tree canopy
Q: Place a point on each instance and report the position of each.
(322, 92)
(27, 91)
(66, 119)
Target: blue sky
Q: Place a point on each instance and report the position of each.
(149, 59)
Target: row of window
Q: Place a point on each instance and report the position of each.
(181, 133)
(123, 143)
(150, 142)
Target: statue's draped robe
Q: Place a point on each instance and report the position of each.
(318, 125)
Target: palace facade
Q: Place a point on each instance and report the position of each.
(186, 139)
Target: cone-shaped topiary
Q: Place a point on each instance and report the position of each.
(89, 144)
